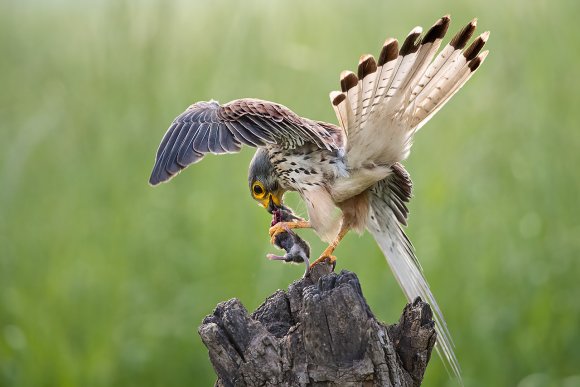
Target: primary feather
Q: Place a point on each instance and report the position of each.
(208, 127)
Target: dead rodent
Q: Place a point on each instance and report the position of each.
(297, 249)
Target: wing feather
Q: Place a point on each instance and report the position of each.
(239, 133)
(187, 155)
(200, 142)
(175, 134)
(228, 142)
(171, 159)
(214, 140)
(208, 127)
(253, 133)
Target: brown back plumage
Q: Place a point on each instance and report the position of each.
(208, 127)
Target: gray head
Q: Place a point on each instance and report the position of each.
(263, 182)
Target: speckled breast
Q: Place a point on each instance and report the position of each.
(306, 167)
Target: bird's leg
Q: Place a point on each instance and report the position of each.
(327, 253)
(285, 226)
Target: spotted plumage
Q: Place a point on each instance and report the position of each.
(307, 166)
(349, 175)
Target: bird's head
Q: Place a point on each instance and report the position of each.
(263, 182)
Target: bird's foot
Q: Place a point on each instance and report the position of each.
(327, 256)
(277, 229)
(330, 259)
(284, 227)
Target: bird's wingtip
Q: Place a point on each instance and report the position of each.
(154, 180)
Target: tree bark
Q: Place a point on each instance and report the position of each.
(321, 332)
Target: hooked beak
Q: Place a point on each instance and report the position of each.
(274, 203)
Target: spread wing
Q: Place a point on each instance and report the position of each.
(208, 127)
(389, 100)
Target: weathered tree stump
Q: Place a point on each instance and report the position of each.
(321, 332)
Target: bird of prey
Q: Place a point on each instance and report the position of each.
(355, 166)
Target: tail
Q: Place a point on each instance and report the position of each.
(387, 213)
(394, 97)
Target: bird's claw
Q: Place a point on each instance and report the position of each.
(277, 229)
(330, 259)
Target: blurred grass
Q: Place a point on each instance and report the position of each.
(103, 280)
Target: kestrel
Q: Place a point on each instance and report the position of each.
(355, 166)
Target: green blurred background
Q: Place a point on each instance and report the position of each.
(104, 280)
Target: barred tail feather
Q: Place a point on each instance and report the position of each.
(427, 48)
(367, 73)
(445, 59)
(430, 101)
(393, 97)
(408, 57)
(388, 64)
(383, 224)
(350, 86)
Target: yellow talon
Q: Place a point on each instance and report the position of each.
(285, 226)
(331, 259)
(277, 229)
(327, 253)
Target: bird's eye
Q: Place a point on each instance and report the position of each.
(258, 189)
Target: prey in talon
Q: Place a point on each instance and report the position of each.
(297, 249)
